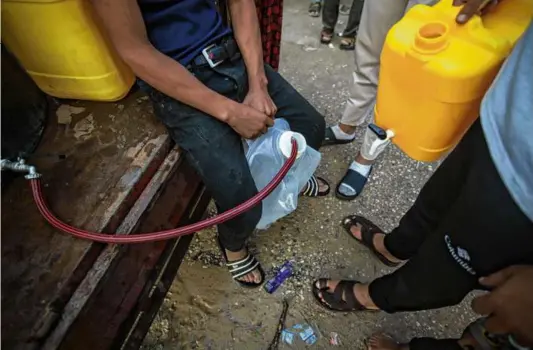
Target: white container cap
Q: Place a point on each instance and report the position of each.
(285, 143)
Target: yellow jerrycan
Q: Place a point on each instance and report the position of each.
(434, 72)
(60, 45)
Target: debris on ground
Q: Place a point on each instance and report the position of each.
(303, 330)
(344, 9)
(64, 113)
(284, 272)
(287, 337)
(281, 324)
(334, 339)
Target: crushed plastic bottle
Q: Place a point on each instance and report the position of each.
(266, 155)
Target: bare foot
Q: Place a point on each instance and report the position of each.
(252, 277)
(348, 129)
(362, 160)
(378, 242)
(322, 186)
(360, 290)
(384, 342)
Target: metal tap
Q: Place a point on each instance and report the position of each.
(20, 166)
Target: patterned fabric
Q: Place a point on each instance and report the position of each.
(270, 14)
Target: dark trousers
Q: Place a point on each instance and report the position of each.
(215, 149)
(330, 15)
(463, 225)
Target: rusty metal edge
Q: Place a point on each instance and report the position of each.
(137, 325)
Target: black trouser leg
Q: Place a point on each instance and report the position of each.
(481, 232)
(330, 13)
(354, 19)
(434, 200)
(216, 152)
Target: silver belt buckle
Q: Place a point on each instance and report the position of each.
(211, 63)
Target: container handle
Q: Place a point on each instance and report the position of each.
(433, 37)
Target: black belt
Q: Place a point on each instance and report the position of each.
(215, 54)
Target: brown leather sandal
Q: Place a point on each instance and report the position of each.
(368, 231)
(334, 301)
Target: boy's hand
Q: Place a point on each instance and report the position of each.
(248, 121)
(259, 99)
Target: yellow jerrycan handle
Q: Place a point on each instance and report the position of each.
(433, 36)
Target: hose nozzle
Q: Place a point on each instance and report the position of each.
(20, 166)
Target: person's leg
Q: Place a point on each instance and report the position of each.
(377, 17)
(299, 113)
(433, 202)
(315, 7)
(350, 32)
(483, 232)
(431, 205)
(353, 19)
(330, 15)
(216, 152)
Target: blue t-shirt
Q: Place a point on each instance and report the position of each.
(181, 29)
(507, 120)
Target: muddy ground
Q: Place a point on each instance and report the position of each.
(206, 310)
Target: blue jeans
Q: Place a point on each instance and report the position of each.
(215, 149)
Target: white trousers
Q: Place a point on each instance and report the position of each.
(377, 18)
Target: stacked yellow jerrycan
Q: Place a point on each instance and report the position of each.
(64, 50)
(434, 72)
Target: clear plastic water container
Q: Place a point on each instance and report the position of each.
(266, 155)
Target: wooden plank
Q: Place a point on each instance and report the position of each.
(111, 251)
(112, 150)
(135, 271)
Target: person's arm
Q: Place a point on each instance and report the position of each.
(125, 26)
(248, 35)
(509, 304)
(472, 7)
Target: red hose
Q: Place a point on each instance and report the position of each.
(167, 234)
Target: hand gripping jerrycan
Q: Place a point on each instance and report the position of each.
(266, 155)
(434, 72)
(63, 49)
